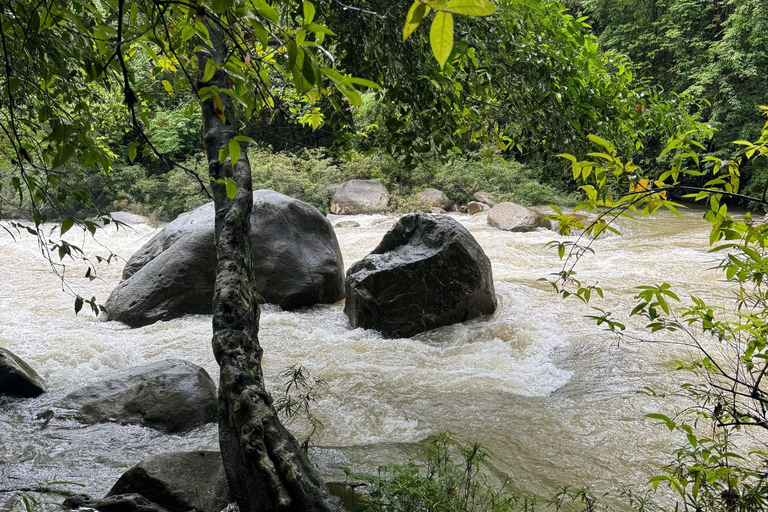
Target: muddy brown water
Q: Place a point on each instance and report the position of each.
(550, 396)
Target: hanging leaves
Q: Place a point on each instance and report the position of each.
(441, 37)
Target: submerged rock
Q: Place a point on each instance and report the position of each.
(296, 258)
(17, 378)
(178, 481)
(347, 224)
(360, 197)
(513, 217)
(170, 395)
(428, 271)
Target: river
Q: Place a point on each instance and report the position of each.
(550, 396)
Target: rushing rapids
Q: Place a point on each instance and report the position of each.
(550, 396)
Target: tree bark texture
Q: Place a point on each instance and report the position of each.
(266, 468)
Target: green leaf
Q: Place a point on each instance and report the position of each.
(309, 12)
(66, 224)
(363, 82)
(169, 87)
(416, 13)
(218, 107)
(441, 37)
(210, 70)
(234, 151)
(471, 7)
(265, 10)
(78, 304)
(320, 29)
(231, 188)
(221, 6)
(132, 151)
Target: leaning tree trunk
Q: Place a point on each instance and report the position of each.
(266, 468)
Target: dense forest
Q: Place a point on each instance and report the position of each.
(611, 108)
(521, 87)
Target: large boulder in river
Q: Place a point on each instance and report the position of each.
(178, 481)
(433, 198)
(360, 197)
(170, 395)
(513, 217)
(296, 259)
(428, 271)
(17, 378)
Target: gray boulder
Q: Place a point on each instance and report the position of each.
(474, 207)
(296, 258)
(485, 197)
(433, 198)
(360, 197)
(513, 217)
(178, 481)
(428, 271)
(17, 378)
(170, 395)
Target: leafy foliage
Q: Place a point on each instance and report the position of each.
(728, 393)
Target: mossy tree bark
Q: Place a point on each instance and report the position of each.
(266, 468)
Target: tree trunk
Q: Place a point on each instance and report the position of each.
(266, 468)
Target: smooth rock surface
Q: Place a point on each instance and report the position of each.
(17, 378)
(428, 271)
(433, 198)
(178, 481)
(513, 217)
(170, 395)
(296, 257)
(485, 197)
(360, 197)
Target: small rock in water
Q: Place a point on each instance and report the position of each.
(474, 207)
(170, 395)
(428, 271)
(17, 378)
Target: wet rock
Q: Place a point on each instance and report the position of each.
(433, 198)
(360, 197)
(485, 197)
(513, 217)
(178, 481)
(296, 258)
(119, 503)
(474, 207)
(347, 224)
(17, 378)
(170, 395)
(428, 271)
